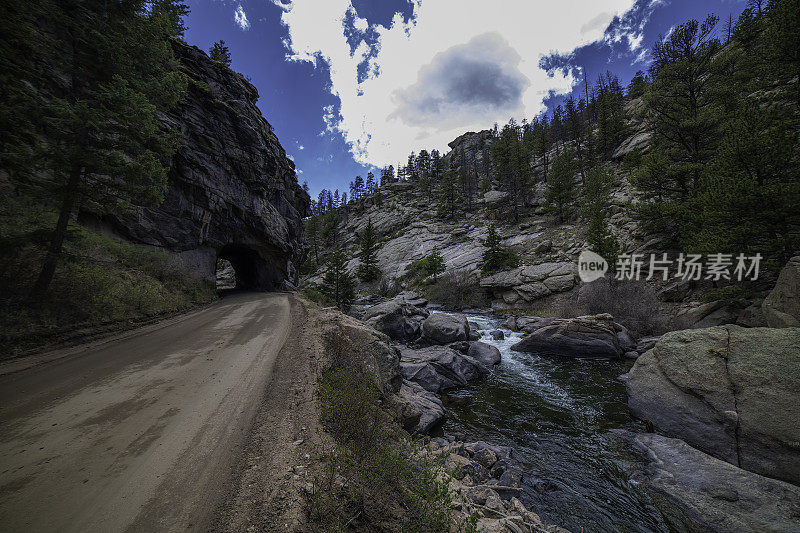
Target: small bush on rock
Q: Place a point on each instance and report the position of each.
(457, 290)
(372, 479)
(634, 304)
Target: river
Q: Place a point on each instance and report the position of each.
(560, 416)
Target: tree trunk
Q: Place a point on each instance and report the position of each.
(57, 238)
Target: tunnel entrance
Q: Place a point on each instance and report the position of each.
(241, 267)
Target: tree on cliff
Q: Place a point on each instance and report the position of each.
(686, 115)
(337, 283)
(220, 53)
(100, 143)
(495, 258)
(430, 265)
(594, 206)
(368, 268)
(561, 184)
(448, 195)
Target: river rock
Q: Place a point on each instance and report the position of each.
(782, 306)
(485, 353)
(729, 391)
(585, 336)
(438, 368)
(427, 404)
(497, 334)
(442, 328)
(697, 492)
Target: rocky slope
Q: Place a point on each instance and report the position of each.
(408, 229)
(232, 192)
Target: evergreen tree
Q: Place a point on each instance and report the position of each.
(368, 268)
(685, 117)
(97, 137)
(337, 283)
(220, 53)
(370, 185)
(594, 207)
(495, 258)
(431, 265)
(449, 196)
(561, 185)
(512, 165)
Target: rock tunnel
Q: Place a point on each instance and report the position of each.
(252, 271)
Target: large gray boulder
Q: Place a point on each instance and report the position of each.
(729, 391)
(397, 318)
(696, 492)
(485, 353)
(441, 328)
(585, 336)
(782, 306)
(427, 406)
(438, 368)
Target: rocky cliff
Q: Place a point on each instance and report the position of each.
(232, 192)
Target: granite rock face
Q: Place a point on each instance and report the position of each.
(696, 492)
(232, 192)
(729, 391)
(782, 307)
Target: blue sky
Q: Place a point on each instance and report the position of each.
(352, 84)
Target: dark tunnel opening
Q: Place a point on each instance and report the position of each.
(241, 267)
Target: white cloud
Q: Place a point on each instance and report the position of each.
(240, 17)
(401, 72)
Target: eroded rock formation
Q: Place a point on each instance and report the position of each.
(232, 192)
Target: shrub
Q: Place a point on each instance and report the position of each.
(634, 304)
(457, 290)
(373, 478)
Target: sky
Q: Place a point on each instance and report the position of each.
(350, 86)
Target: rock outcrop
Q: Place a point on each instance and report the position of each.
(696, 492)
(529, 283)
(729, 391)
(585, 336)
(232, 192)
(782, 306)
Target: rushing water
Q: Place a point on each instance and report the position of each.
(559, 415)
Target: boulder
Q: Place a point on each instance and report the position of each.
(438, 368)
(427, 404)
(782, 306)
(585, 336)
(497, 334)
(729, 391)
(441, 328)
(485, 353)
(697, 492)
(396, 318)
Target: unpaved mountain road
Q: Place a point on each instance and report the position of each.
(145, 432)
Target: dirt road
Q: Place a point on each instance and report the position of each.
(143, 432)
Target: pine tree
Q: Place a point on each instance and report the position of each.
(432, 264)
(337, 283)
(99, 139)
(220, 53)
(686, 115)
(495, 258)
(368, 268)
(561, 185)
(448, 197)
(594, 207)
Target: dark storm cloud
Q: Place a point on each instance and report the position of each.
(476, 81)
